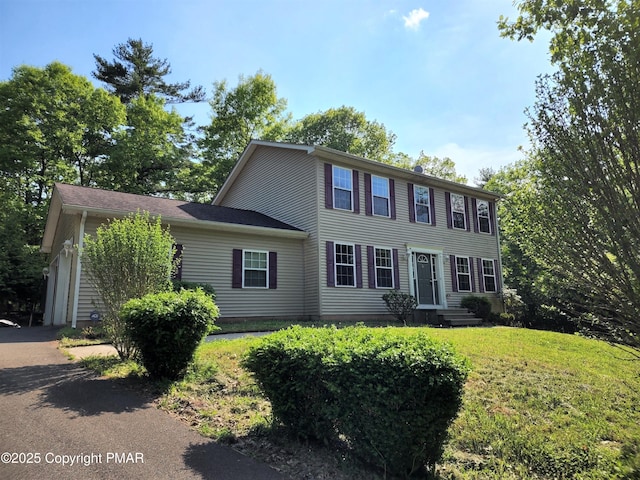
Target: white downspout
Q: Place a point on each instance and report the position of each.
(76, 288)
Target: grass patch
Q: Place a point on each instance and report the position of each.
(81, 337)
(537, 405)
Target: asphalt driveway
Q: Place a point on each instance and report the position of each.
(58, 420)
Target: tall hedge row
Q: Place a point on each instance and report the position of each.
(391, 395)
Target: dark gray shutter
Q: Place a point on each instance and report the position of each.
(466, 212)
(498, 274)
(331, 265)
(412, 203)
(328, 185)
(356, 192)
(492, 217)
(447, 199)
(473, 277)
(358, 255)
(273, 270)
(371, 266)
(177, 274)
(368, 199)
(236, 274)
(454, 273)
(432, 207)
(392, 198)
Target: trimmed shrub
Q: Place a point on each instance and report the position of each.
(481, 306)
(400, 304)
(167, 328)
(184, 285)
(392, 396)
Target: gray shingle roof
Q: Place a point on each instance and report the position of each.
(106, 200)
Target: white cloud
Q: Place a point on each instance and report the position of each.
(416, 16)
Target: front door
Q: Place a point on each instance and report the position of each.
(426, 278)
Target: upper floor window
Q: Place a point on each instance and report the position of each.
(463, 273)
(254, 269)
(345, 265)
(384, 267)
(458, 211)
(484, 217)
(380, 193)
(489, 275)
(342, 188)
(422, 204)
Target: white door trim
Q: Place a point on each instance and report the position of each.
(411, 250)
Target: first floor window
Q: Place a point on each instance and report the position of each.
(484, 222)
(463, 273)
(458, 211)
(421, 198)
(255, 269)
(345, 265)
(384, 268)
(489, 275)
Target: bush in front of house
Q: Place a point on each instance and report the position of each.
(392, 396)
(167, 328)
(481, 306)
(400, 304)
(185, 285)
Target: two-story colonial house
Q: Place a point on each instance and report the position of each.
(302, 232)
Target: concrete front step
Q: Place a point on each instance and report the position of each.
(458, 317)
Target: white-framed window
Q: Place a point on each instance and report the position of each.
(255, 269)
(342, 188)
(384, 267)
(484, 219)
(489, 275)
(422, 203)
(463, 272)
(458, 212)
(345, 265)
(380, 195)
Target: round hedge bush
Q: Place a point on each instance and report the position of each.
(168, 327)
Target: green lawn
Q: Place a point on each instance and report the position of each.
(537, 405)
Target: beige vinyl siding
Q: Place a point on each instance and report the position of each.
(285, 185)
(88, 298)
(348, 227)
(207, 258)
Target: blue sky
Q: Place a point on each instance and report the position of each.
(434, 72)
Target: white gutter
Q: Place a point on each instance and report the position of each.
(76, 288)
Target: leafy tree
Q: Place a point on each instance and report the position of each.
(149, 152)
(484, 176)
(136, 72)
(586, 145)
(54, 126)
(128, 258)
(251, 110)
(20, 263)
(347, 130)
(444, 168)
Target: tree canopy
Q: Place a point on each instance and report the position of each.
(581, 224)
(344, 129)
(135, 72)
